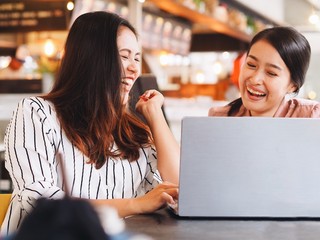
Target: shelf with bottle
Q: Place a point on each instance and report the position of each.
(212, 16)
(203, 21)
(216, 91)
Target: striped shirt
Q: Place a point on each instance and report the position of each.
(33, 138)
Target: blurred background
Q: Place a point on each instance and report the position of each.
(192, 49)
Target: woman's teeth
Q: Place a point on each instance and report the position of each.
(253, 92)
(124, 82)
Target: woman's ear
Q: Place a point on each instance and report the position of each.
(292, 88)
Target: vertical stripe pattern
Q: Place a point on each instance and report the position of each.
(32, 140)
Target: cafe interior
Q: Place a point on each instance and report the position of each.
(191, 48)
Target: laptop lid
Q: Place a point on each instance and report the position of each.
(249, 167)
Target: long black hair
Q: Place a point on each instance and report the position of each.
(293, 48)
(87, 93)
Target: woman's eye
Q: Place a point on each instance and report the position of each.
(250, 65)
(137, 59)
(272, 74)
(125, 57)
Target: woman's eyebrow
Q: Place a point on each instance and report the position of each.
(251, 56)
(268, 64)
(274, 66)
(129, 51)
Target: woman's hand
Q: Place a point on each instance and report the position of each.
(150, 104)
(163, 194)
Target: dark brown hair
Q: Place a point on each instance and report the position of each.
(87, 92)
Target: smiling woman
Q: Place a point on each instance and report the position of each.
(264, 80)
(109, 154)
(130, 58)
(273, 72)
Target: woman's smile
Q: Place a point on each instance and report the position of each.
(256, 93)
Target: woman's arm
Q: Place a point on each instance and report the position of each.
(30, 151)
(163, 194)
(168, 149)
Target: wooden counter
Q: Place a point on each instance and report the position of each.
(20, 85)
(216, 91)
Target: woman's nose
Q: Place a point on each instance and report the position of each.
(257, 77)
(133, 66)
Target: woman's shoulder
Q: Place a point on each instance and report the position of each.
(220, 111)
(223, 111)
(37, 106)
(36, 102)
(299, 107)
(303, 102)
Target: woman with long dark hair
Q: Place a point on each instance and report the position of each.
(109, 156)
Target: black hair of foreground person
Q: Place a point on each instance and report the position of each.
(64, 219)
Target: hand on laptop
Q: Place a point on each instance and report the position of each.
(164, 194)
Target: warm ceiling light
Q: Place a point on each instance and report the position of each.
(217, 67)
(164, 59)
(4, 61)
(49, 48)
(312, 95)
(70, 5)
(314, 18)
(200, 77)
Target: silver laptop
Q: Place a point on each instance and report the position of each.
(249, 167)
